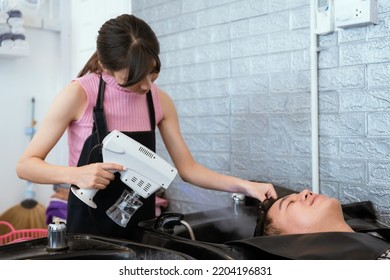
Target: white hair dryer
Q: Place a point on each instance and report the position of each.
(145, 173)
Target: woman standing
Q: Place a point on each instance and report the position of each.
(116, 90)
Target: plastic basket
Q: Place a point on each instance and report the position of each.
(20, 234)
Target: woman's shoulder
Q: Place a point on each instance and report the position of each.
(167, 104)
(164, 96)
(160, 92)
(87, 86)
(74, 93)
(89, 79)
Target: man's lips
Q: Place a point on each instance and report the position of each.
(314, 198)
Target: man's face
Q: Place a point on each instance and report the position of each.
(305, 212)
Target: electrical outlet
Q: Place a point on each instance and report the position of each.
(358, 13)
(353, 13)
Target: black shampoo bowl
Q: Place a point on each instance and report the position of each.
(88, 247)
(211, 229)
(218, 226)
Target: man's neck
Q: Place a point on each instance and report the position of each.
(342, 227)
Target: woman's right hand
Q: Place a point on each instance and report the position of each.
(96, 175)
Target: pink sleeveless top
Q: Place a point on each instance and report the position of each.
(124, 109)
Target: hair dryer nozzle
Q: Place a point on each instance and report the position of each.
(85, 195)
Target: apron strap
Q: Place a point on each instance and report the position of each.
(99, 118)
(152, 117)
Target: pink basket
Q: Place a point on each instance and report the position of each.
(20, 234)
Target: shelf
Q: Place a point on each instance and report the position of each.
(14, 52)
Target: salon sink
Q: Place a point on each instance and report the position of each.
(88, 247)
(212, 229)
(219, 226)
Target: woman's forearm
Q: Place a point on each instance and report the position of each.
(38, 171)
(201, 176)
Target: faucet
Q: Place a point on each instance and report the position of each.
(56, 236)
(167, 221)
(238, 201)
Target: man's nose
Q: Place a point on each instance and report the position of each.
(305, 194)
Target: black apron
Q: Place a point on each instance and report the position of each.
(83, 219)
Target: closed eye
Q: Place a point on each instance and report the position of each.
(284, 200)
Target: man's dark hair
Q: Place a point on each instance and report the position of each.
(264, 224)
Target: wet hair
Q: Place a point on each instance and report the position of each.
(125, 42)
(264, 225)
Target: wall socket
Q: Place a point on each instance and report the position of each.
(353, 13)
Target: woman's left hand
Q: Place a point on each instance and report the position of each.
(261, 191)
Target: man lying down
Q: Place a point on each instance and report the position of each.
(311, 226)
